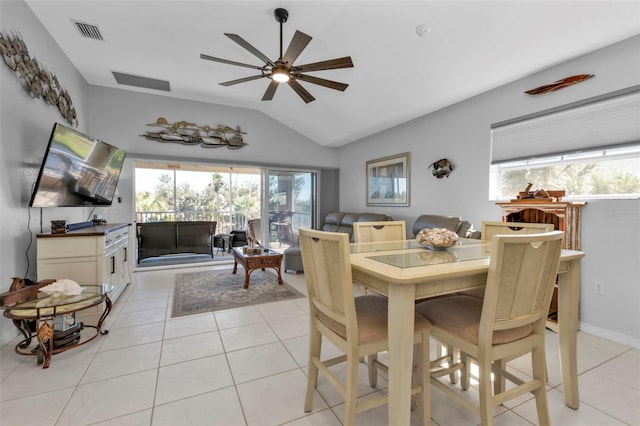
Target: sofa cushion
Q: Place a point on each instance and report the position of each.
(349, 218)
(373, 217)
(333, 218)
(431, 221)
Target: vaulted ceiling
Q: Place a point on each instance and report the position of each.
(410, 57)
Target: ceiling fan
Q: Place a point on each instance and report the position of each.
(283, 70)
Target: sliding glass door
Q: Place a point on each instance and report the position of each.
(291, 204)
(182, 192)
(284, 200)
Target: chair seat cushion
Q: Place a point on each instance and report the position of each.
(460, 315)
(371, 311)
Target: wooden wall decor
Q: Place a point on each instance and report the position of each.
(36, 80)
(187, 133)
(568, 81)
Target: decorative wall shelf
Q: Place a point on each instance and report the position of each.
(187, 133)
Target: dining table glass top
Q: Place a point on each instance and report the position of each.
(410, 254)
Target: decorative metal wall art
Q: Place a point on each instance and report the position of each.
(188, 133)
(441, 168)
(35, 79)
(559, 84)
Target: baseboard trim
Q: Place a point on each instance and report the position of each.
(610, 335)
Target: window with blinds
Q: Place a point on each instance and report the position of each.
(591, 149)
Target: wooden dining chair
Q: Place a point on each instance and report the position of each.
(489, 229)
(371, 232)
(356, 325)
(510, 321)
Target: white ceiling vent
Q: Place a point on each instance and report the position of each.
(88, 30)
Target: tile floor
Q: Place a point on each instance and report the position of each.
(248, 367)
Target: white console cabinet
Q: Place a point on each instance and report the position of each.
(91, 255)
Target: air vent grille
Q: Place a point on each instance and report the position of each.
(139, 81)
(88, 30)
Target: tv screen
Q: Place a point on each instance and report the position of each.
(77, 170)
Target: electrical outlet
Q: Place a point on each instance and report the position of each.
(598, 288)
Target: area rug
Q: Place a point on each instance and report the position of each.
(215, 290)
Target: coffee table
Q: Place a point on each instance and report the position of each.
(252, 261)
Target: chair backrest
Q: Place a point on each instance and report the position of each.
(489, 229)
(522, 273)
(254, 231)
(327, 271)
(371, 232)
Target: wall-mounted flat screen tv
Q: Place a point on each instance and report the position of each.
(77, 171)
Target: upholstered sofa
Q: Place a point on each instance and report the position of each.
(453, 223)
(343, 222)
(160, 238)
(333, 222)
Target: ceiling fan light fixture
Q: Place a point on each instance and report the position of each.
(280, 75)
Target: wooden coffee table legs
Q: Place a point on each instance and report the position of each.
(252, 262)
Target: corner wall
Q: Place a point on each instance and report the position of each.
(26, 124)
(461, 133)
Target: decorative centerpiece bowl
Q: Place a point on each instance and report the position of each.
(437, 238)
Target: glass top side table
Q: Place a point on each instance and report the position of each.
(34, 313)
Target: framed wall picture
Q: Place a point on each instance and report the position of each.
(388, 181)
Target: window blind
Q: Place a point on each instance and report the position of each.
(595, 123)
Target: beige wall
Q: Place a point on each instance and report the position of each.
(461, 133)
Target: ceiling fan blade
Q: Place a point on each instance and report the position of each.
(301, 91)
(242, 42)
(271, 90)
(299, 41)
(241, 80)
(226, 61)
(322, 82)
(330, 64)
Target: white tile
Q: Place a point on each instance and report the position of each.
(322, 418)
(247, 336)
(238, 317)
(19, 412)
(560, 414)
(190, 347)
(144, 304)
(178, 381)
(119, 362)
(276, 399)
(610, 397)
(192, 324)
(279, 310)
(260, 361)
(130, 336)
(9, 359)
(141, 418)
(66, 369)
(287, 328)
(130, 319)
(217, 408)
(333, 397)
(106, 399)
(625, 370)
(298, 347)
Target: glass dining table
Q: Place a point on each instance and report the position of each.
(404, 271)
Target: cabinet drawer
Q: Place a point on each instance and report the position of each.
(83, 270)
(69, 247)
